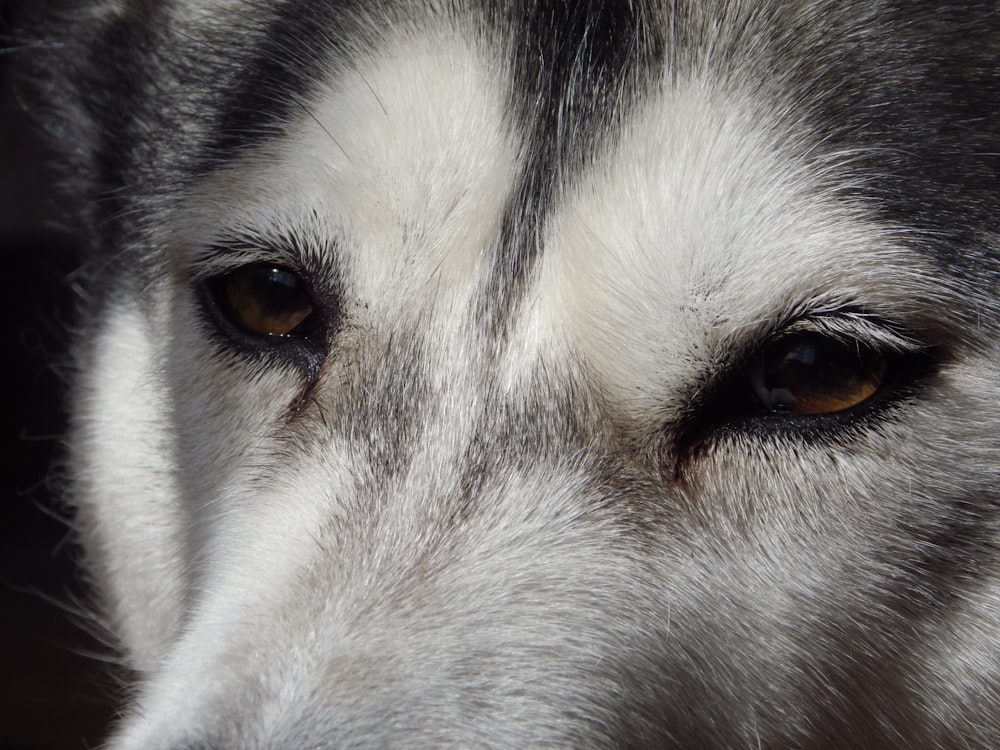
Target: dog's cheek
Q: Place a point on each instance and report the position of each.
(123, 462)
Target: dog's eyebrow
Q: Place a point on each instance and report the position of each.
(855, 326)
(846, 321)
(230, 253)
(242, 247)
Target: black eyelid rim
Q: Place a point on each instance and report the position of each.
(304, 352)
(846, 324)
(716, 406)
(312, 263)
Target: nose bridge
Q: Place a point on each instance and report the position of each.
(428, 401)
(444, 597)
(480, 440)
(451, 616)
(450, 457)
(435, 453)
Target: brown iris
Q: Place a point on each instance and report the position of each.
(813, 374)
(265, 299)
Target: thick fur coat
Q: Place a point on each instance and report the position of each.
(584, 374)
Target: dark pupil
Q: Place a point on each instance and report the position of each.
(817, 375)
(275, 289)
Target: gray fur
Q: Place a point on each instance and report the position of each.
(514, 490)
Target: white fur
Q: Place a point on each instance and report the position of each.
(127, 485)
(275, 588)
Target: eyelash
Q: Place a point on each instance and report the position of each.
(732, 403)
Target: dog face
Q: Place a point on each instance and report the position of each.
(562, 375)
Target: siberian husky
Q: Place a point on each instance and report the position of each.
(539, 374)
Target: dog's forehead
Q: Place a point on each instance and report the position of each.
(698, 216)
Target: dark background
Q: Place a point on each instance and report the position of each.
(54, 691)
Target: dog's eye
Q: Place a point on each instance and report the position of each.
(813, 374)
(264, 299)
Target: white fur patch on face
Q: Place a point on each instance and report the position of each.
(703, 221)
(400, 164)
(125, 485)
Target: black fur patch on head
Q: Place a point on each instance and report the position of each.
(271, 84)
(914, 90)
(577, 69)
